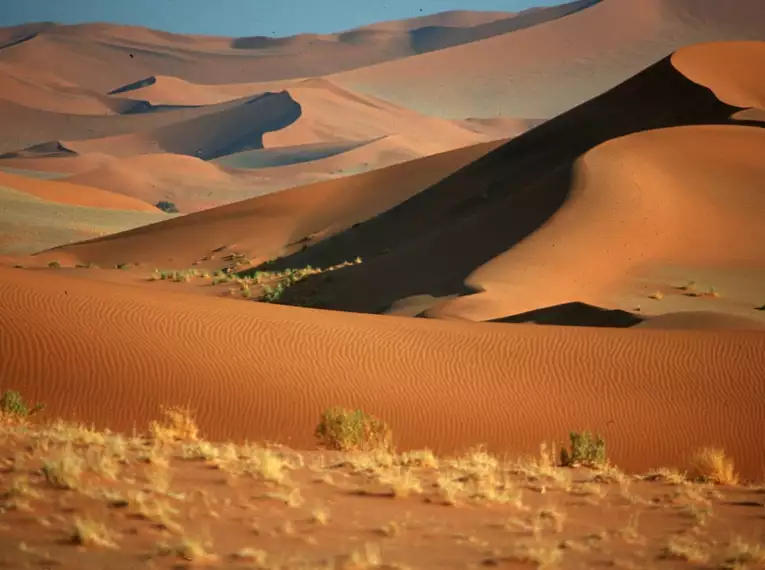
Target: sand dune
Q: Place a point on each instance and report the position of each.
(67, 192)
(551, 67)
(168, 90)
(331, 113)
(701, 320)
(433, 242)
(273, 224)
(233, 129)
(27, 127)
(29, 224)
(275, 368)
(685, 196)
(49, 93)
(187, 181)
(97, 56)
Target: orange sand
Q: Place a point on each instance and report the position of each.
(259, 371)
(76, 194)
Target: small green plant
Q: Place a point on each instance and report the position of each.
(12, 406)
(54, 265)
(273, 294)
(349, 430)
(586, 449)
(167, 207)
(123, 266)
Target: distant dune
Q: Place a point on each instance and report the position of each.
(29, 224)
(553, 66)
(276, 223)
(66, 192)
(97, 56)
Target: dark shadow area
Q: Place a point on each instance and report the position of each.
(50, 149)
(575, 315)
(140, 84)
(283, 156)
(137, 107)
(430, 243)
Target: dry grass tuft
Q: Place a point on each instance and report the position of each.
(64, 468)
(739, 555)
(685, 548)
(711, 464)
(179, 425)
(87, 532)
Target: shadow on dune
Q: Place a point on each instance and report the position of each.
(575, 314)
(433, 241)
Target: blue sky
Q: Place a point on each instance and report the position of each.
(242, 17)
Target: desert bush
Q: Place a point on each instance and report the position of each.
(586, 449)
(711, 464)
(179, 425)
(13, 407)
(166, 206)
(54, 265)
(350, 430)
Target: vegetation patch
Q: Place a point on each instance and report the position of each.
(352, 430)
(586, 450)
(13, 408)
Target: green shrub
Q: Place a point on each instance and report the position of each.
(54, 265)
(586, 449)
(350, 430)
(12, 406)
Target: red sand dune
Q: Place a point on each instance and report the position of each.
(685, 195)
(700, 320)
(73, 193)
(259, 371)
(264, 226)
(553, 66)
(571, 194)
(184, 180)
(314, 111)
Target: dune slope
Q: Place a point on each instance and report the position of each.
(551, 67)
(265, 372)
(274, 224)
(491, 206)
(98, 56)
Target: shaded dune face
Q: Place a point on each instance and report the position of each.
(433, 242)
(261, 372)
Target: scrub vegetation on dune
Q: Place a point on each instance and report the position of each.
(262, 285)
(169, 495)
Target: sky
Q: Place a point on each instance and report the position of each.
(242, 17)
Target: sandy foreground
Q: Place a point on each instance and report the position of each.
(166, 498)
(486, 271)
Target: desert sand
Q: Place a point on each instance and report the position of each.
(486, 253)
